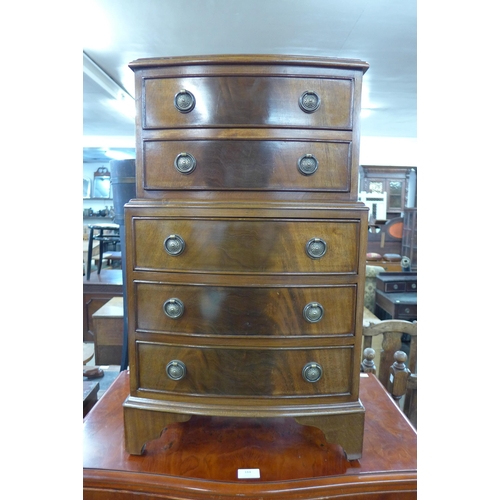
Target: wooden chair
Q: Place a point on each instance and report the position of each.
(398, 361)
(104, 234)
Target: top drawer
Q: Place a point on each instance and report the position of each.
(247, 101)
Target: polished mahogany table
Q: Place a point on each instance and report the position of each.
(200, 459)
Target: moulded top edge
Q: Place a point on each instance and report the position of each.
(249, 59)
(246, 205)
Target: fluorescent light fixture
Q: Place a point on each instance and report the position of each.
(367, 106)
(108, 142)
(93, 71)
(124, 106)
(118, 155)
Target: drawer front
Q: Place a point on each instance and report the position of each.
(247, 101)
(259, 372)
(245, 310)
(406, 311)
(235, 164)
(395, 286)
(245, 246)
(400, 286)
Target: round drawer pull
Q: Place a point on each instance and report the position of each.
(396, 287)
(174, 245)
(316, 248)
(185, 163)
(308, 164)
(176, 369)
(313, 312)
(184, 101)
(407, 310)
(309, 101)
(173, 308)
(312, 372)
(414, 285)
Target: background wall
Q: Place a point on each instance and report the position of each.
(388, 151)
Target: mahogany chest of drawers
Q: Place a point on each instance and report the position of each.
(246, 245)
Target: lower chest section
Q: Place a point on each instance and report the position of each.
(247, 303)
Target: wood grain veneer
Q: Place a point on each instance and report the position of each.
(198, 459)
(246, 244)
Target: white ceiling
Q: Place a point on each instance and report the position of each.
(380, 32)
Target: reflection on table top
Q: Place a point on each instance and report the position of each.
(205, 453)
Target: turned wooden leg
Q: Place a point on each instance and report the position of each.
(345, 429)
(142, 426)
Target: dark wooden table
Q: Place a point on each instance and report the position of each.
(199, 459)
(396, 305)
(90, 390)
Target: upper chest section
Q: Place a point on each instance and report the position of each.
(256, 124)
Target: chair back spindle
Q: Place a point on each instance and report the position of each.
(368, 363)
(398, 376)
(397, 366)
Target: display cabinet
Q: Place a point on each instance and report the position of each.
(398, 182)
(409, 242)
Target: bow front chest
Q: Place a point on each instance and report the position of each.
(245, 246)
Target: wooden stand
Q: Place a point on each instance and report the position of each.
(145, 420)
(142, 426)
(345, 429)
(200, 458)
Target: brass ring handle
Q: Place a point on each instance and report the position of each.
(308, 164)
(312, 372)
(173, 308)
(313, 312)
(185, 163)
(316, 248)
(176, 370)
(174, 245)
(184, 101)
(309, 101)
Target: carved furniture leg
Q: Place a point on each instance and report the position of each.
(345, 429)
(142, 426)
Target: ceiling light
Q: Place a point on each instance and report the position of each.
(118, 155)
(92, 70)
(124, 106)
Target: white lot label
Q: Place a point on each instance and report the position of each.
(248, 473)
